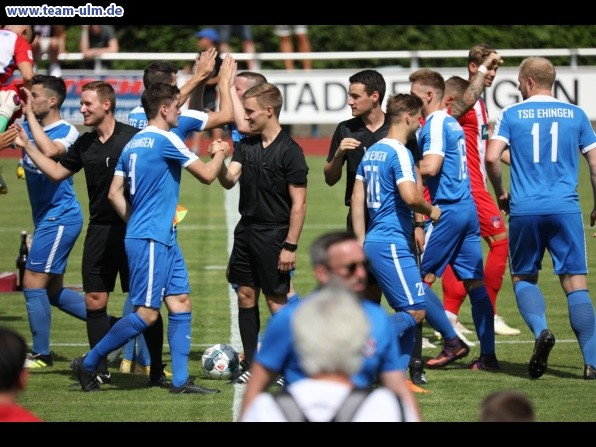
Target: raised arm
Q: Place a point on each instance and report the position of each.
(225, 114)
(460, 107)
(51, 169)
(46, 145)
(204, 65)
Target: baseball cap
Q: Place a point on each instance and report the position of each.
(209, 33)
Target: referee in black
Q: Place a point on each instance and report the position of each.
(272, 172)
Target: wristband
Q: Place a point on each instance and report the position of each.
(289, 247)
(482, 69)
(421, 224)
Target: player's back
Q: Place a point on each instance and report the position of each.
(442, 135)
(383, 166)
(152, 162)
(188, 121)
(545, 136)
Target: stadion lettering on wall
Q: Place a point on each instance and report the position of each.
(320, 96)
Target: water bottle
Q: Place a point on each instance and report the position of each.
(22, 259)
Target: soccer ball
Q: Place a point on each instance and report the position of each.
(220, 361)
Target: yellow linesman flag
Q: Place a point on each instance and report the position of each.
(180, 214)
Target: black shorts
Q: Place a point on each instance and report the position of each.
(254, 258)
(371, 280)
(104, 257)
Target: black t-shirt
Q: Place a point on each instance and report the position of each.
(355, 128)
(266, 172)
(99, 161)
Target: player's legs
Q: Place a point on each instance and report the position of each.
(43, 281)
(103, 254)
(241, 272)
(396, 270)
(468, 266)
(568, 250)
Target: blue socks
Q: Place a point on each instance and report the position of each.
(405, 329)
(531, 305)
(135, 350)
(70, 302)
(179, 339)
(435, 315)
(125, 329)
(483, 316)
(581, 317)
(40, 319)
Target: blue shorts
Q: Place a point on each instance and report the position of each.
(395, 268)
(156, 271)
(51, 246)
(454, 240)
(562, 234)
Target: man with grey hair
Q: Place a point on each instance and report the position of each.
(335, 256)
(331, 333)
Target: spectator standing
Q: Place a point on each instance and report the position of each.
(286, 43)
(272, 172)
(96, 40)
(331, 334)
(57, 216)
(50, 40)
(13, 377)
(474, 122)
(97, 152)
(242, 32)
(545, 137)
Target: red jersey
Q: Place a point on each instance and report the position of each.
(475, 126)
(16, 413)
(14, 49)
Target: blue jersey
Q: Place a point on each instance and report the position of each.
(443, 135)
(545, 136)
(50, 201)
(152, 162)
(381, 354)
(385, 165)
(188, 121)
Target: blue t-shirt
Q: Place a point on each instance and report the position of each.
(443, 135)
(188, 121)
(49, 200)
(385, 165)
(545, 136)
(152, 163)
(382, 353)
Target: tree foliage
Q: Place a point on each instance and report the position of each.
(180, 38)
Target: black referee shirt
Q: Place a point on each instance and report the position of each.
(355, 128)
(99, 161)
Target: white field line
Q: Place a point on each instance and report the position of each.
(232, 196)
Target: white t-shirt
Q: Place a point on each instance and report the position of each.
(320, 400)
